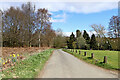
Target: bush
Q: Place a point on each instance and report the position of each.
(81, 42)
(87, 47)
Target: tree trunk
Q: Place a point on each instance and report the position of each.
(39, 38)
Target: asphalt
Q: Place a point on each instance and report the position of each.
(64, 65)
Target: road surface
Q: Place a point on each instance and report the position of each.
(64, 65)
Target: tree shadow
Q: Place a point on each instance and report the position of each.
(89, 57)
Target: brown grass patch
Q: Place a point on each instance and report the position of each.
(6, 51)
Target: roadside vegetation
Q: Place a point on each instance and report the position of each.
(28, 68)
(112, 57)
(7, 51)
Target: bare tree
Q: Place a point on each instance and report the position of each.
(11, 26)
(100, 32)
(99, 29)
(49, 35)
(43, 18)
(114, 27)
(29, 12)
(24, 26)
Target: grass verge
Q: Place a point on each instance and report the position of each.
(29, 67)
(112, 58)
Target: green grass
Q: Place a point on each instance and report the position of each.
(112, 57)
(29, 67)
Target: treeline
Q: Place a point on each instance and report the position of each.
(84, 41)
(27, 26)
(102, 39)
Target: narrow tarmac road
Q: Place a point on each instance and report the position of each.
(64, 65)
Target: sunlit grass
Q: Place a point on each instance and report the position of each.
(112, 57)
(29, 67)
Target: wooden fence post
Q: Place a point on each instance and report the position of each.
(84, 53)
(105, 59)
(76, 51)
(92, 55)
(79, 52)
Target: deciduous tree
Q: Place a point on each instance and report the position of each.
(59, 40)
(100, 32)
(114, 27)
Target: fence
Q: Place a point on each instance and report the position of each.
(85, 54)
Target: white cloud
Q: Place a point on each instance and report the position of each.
(76, 7)
(59, 18)
(4, 6)
(68, 33)
(79, 7)
(59, 0)
(91, 32)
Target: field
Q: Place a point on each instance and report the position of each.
(29, 67)
(112, 57)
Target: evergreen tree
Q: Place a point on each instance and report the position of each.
(78, 33)
(69, 44)
(72, 37)
(86, 37)
(71, 40)
(93, 42)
